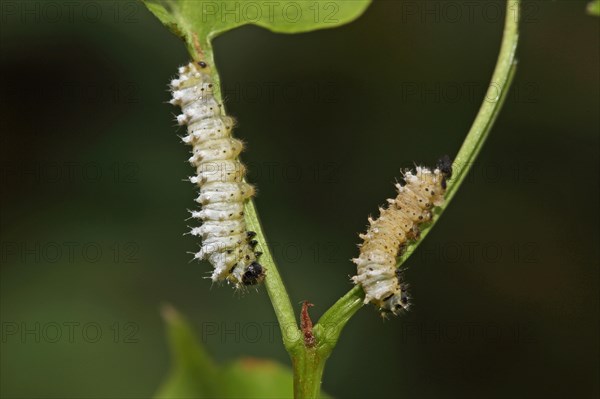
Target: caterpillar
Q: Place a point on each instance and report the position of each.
(387, 236)
(226, 242)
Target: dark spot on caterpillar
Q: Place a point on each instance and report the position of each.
(444, 164)
(251, 234)
(253, 243)
(404, 298)
(253, 275)
(258, 253)
(202, 64)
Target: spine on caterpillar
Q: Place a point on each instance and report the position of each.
(388, 235)
(226, 242)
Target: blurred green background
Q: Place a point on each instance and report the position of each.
(93, 203)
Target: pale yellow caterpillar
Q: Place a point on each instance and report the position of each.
(226, 242)
(387, 236)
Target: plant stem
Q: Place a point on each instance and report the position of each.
(292, 336)
(488, 112)
(334, 319)
(274, 284)
(308, 366)
(330, 325)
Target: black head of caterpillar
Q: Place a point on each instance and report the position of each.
(399, 302)
(444, 165)
(387, 236)
(254, 274)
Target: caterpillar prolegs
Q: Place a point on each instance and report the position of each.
(226, 242)
(388, 235)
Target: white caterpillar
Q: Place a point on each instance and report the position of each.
(226, 243)
(387, 236)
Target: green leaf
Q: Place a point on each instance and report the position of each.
(195, 375)
(258, 378)
(593, 8)
(255, 378)
(205, 20)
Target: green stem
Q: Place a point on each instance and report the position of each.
(333, 321)
(330, 325)
(273, 282)
(488, 112)
(308, 366)
(292, 337)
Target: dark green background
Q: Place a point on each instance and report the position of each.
(505, 287)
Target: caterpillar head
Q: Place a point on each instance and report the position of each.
(396, 303)
(399, 301)
(254, 274)
(444, 165)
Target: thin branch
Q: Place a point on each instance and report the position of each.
(332, 322)
(292, 336)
